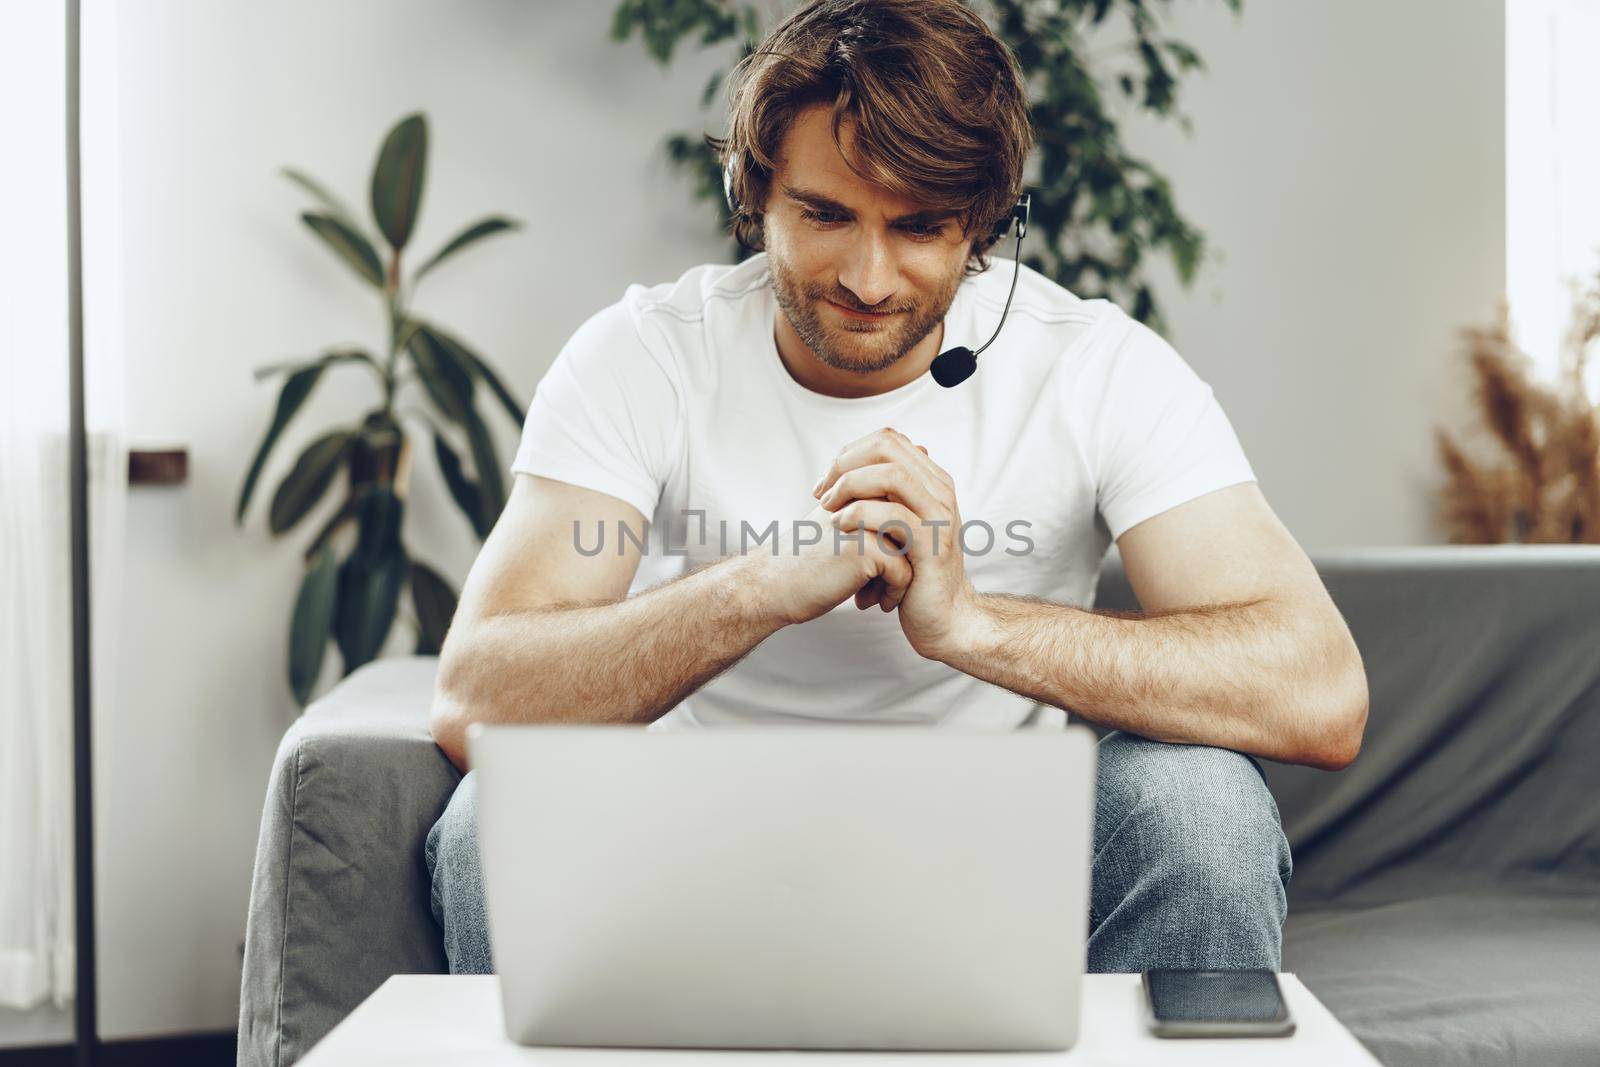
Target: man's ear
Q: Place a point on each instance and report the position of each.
(973, 250)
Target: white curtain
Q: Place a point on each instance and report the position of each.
(36, 869)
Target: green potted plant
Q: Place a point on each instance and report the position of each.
(357, 563)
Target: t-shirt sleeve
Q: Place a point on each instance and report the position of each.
(1160, 437)
(606, 416)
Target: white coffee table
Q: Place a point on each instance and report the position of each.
(417, 1019)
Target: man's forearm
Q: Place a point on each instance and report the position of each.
(627, 661)
(1240, 676)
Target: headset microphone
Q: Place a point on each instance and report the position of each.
(953, 366)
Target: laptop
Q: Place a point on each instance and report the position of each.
(787, 887)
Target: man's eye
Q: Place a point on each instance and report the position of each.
(926, 230)
(821, 216)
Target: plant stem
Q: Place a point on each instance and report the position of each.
(391, 377)
(395, 304)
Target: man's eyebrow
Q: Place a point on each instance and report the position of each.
(817, 200)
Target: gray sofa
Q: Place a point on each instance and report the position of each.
(1446, 896)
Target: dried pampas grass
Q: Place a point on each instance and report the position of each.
(1544, 484)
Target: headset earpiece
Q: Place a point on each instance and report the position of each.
(727, 187)
(1019, 214)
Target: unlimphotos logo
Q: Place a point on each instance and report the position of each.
(976, 537)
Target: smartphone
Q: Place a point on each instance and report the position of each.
(1215, 1004)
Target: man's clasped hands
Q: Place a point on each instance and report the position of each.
(907, 557)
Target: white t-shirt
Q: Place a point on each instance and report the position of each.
(1079, 424)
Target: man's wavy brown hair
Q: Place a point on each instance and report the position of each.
(936, 103)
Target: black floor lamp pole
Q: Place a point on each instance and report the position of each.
(78, 477)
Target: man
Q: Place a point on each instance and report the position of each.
(872, 148)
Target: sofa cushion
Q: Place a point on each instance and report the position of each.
(1471, 977)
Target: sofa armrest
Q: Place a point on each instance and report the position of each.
(339, 900)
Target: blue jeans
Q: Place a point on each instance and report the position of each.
(1191, 867)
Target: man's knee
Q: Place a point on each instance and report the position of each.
(451, 849)
(456, 873)
(1198, 822)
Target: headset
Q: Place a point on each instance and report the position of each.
(954, 365)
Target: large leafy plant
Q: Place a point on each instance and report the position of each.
(357, 564)
(1099, 212)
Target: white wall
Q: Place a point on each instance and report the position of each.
(1346, 162)
(1348, 165)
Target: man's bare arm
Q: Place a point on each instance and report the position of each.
(546, 634)
(1248, 676)
(629, 661)
(1241, 646)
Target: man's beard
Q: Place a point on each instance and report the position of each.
(877, 346)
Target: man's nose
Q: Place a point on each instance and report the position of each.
(870, 270)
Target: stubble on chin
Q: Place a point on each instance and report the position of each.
(860, 351)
